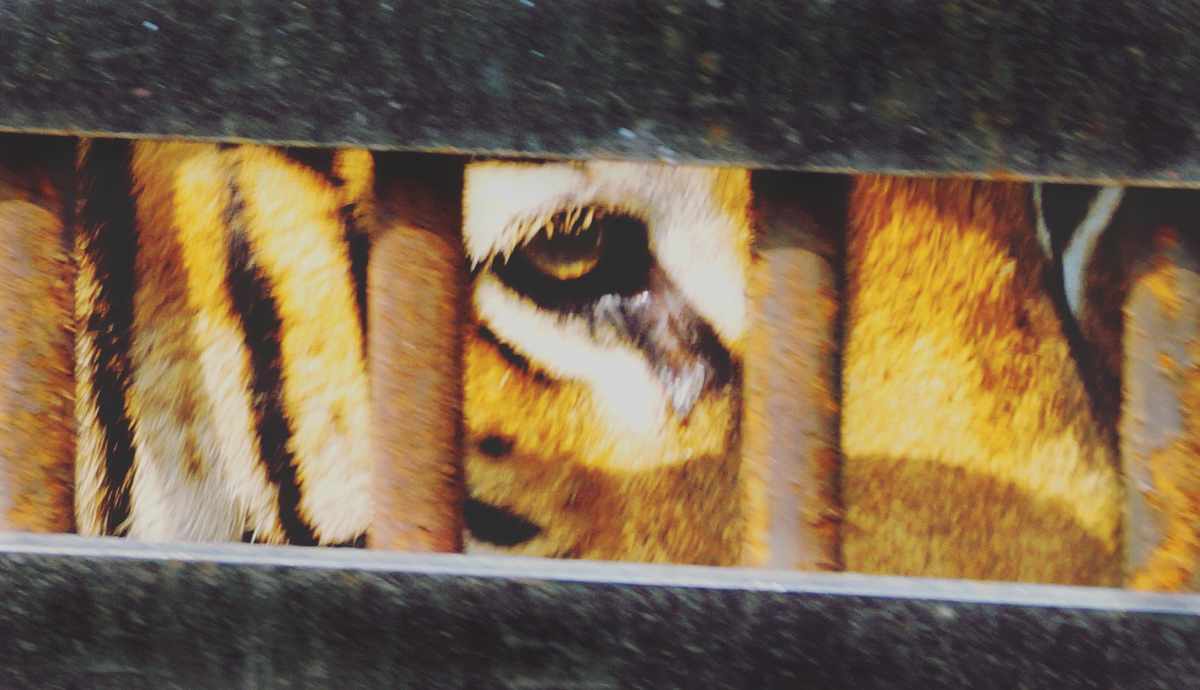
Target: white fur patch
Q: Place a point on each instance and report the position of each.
(168, 501)
(224, 382)
(1079, 250)
(624, 388)
(1043, 230)
(90, 445)
(690, 235)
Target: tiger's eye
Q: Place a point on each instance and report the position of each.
(568, 247)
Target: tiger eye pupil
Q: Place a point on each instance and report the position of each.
(572, 248)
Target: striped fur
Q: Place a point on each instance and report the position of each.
(589, 431)
(220, 381)
(221, 387)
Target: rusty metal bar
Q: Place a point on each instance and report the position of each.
(1160, 436)
(37, 427)
(416, 290)
(791, 443)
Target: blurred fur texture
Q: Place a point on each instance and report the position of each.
(220, 381)
(971, 447)
(587, 432)
(220, 376)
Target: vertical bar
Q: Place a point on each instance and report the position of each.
(416, 292)
(1160, 425)
(36, 345)
(791, 437)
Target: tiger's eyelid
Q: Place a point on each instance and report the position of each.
(527, 227)
(573, 226)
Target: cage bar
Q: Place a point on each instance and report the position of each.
(791, 442)
(1024, 89)
(416, 292)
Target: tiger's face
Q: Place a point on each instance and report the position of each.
(603, 363)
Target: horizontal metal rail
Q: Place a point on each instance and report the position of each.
(1026, 88)
(111, 613)
(1049, 89)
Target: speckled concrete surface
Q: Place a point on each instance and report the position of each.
(1000, 87)
(101, 614)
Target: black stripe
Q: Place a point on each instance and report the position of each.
(250, 292)
(109, 238)
(359, 247)
(514, 358)
(497, 526)
(318, 160)
(495, 445)
(1064, 207)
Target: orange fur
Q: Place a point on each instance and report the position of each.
(970, 446)
(196, 472)
(543, 444)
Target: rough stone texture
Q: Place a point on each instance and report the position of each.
(1051, 88)
(123, 615)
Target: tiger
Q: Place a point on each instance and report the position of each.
(610, 315)
(970, 388)
(221, 384)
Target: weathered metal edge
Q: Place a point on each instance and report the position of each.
(67, 547)
(111, 613)
(1036, 89)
